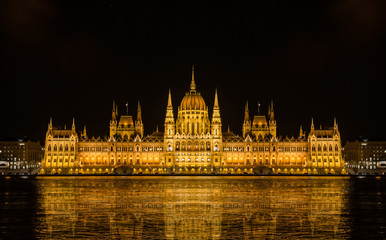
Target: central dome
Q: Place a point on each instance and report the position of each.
(192, 101)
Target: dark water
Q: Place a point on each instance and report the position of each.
(193, 208)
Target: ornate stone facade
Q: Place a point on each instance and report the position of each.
(193, 144)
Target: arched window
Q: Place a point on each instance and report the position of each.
(324, 148)
(319, 148)
(61, 148)
(330, 148)
(49, 147)
(313, 147)
(111, 148)
(72, 148)
(336, 147)
(55, 148)
(66, 148)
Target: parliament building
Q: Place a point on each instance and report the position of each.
(193, 143)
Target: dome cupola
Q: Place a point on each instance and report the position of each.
(192, 99)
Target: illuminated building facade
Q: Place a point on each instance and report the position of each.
(193, 143)
(366, 156)
(20, 156)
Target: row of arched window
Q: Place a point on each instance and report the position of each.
(72, 148)
(194, 146)
(325, 148)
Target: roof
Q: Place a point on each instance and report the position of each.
(230, 137)
(126, 121)
(260, 121)
(62, 133)
(324, 133)
(192, 101)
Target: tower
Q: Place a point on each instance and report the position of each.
(272, 121)
(216, 118)
(301, 133)
(113, 122)
(138, 122)
(312, 126)
(49, 131)
(73, 131)
(247, 122)
(169, 119)
(84, 133)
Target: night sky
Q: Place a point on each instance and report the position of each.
(65, 59)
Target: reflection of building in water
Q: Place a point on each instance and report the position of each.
(193, 143)
(192, 208)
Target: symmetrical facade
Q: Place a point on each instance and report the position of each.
(193, 143)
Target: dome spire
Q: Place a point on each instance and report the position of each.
(192, 84)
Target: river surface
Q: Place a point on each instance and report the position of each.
(143, 207)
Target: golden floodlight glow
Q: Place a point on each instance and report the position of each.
(194, 133)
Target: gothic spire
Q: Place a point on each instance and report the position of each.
(335, 124)
(113, 114)
(169, 109)
(312, 124)
(246, 113)
(170, 106)
(73, 124)
(272, 114)
(84, 134)
(216, 106)
(116, 112)
(139, 113)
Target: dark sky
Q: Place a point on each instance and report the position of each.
(65, 59)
